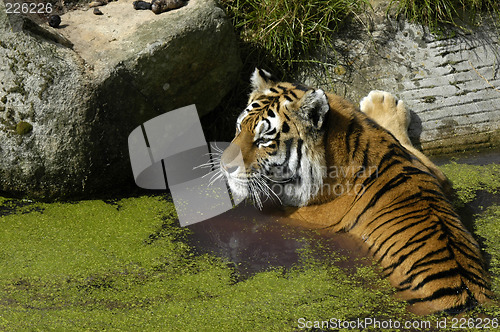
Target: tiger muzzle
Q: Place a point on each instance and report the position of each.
(232, 159)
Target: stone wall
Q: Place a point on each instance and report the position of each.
(451, 85)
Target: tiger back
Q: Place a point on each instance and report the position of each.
(338, 169)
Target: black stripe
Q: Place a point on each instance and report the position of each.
(271, 132)
(288, 98)
(435, 193)
(299, 153)
(386, 252)
(402, 258)
(274, 90)
(444, 210)
(288, 149)
(400, 205)
(349, 132)
(410, 279)
(442, 292)
(391, 184)
(473, 277)
(402, 229)
(425, 237)
(453, 272)
(404, 217)
(469, 256)
(428, 255)
(293, 94)
(431, 262)
(468, 305)
(365, 153)
(367, 185)
(413, 171)
(285, 128)
(391, 164)
(408, 244)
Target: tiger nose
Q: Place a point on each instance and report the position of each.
(231, 159)
(229, 168)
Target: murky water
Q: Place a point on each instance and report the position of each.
(482, 158)
(257, 240)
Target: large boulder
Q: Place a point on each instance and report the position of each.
(70, 97)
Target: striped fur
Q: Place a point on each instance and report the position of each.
(343, 171)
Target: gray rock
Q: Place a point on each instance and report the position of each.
(80, 90)
(451, 86)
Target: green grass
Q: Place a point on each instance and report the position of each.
(290, 30)
(127, 265)
(282, 33)
(439, 13)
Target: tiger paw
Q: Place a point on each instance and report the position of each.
(387, 111)
(384, 108)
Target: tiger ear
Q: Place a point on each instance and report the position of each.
(261, 80)
(314, 108)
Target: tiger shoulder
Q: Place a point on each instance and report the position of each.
(354, 170)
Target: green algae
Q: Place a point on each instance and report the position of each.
(127, 265)
(467, 179)
(488, 228)
(23, 127)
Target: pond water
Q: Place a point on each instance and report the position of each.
(257, 240)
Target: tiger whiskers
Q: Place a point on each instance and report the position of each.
(216, 177)
(217, 149)
(213, 161)
(266, 189)
(279, 181)
(258, 185)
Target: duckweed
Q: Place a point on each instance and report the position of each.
(467, 179)
(127, 265)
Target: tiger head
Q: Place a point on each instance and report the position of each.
(278, 149)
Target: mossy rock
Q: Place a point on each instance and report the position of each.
(23, 128)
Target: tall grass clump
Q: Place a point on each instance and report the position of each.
(439, 13)
(289, 30)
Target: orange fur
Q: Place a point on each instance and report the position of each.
(390, 198)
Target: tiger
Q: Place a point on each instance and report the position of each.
(340, 168)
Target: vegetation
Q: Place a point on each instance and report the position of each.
(436, 13)
(279, 35)
(487, 227)
(290, 30)
(469, 179)
(127, 265)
